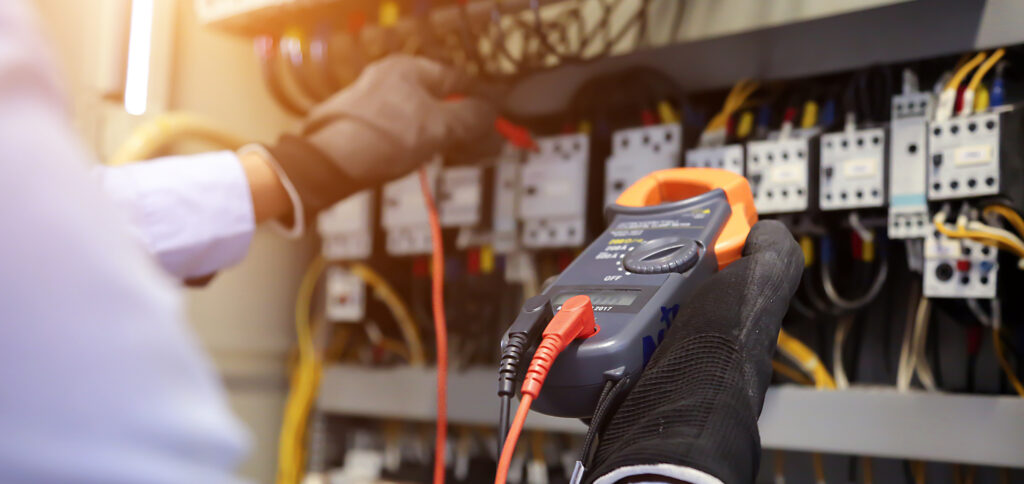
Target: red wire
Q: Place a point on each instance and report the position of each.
(509, 448)
(440, 328)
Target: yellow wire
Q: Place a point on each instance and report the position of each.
(987, 66)
(733, 101)
(819, 468)
(805, 358)
(990, 239)
(791, 373)
(305, 379)
(1009, 214)
(400, 311)
(961, 73)
(1007, 368)
(160, 131)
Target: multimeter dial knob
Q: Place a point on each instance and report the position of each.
(663, 255)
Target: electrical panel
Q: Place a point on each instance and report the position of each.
(783, 174)
(553, 192)
(728, 157)
(346, 228)
(404, 213)
(345, 300)
(460, 196)
(852, 171)
(959, 269)
(639, 151)
(976, 156)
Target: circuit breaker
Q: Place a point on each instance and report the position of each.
(852, 170)
(553, 192)
(639, 151)
(728, 157)
(345, 300)
(460, 196)
(783, 174)
(976, 156)
(404, 213)
(504, 226)
(908, 165)
(962, 268)
(346, 228)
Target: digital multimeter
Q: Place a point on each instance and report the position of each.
(666, 233)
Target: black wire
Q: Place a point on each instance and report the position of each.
(504, 420)
(611, 394)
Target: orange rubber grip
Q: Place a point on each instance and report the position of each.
(676, 184)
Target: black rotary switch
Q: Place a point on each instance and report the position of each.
(667, 254)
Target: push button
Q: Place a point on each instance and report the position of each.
(664, 255)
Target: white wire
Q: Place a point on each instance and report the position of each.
(842, 330)
(921, 366)
(975, 308)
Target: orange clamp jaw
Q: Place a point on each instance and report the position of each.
(676, 184)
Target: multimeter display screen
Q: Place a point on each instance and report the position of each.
(601, 297)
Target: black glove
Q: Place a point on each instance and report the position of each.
(697, 402)
(395, 117)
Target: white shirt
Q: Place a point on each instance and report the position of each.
(101, 380)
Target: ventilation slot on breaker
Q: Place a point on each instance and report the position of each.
(852, 173)
(976, 156)
(404, 214)
(783, 174)
(639, 151)
(553, 192)
(728, 157)
(961, 269)
(347, 228)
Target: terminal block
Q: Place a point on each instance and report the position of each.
(783, 174)
(852, 172)
(960, 269)
(346, 228)
(404, 213)
(728, 157)
(639, 151)
(976, 156)
(553, 192)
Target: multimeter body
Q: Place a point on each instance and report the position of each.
(639, 274)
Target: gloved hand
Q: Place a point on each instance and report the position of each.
(697, 402)
(391, 120)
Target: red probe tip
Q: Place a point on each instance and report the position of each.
(517, 135)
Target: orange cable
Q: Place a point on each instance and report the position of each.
(510, 441)
(574, 320)
(440, 327)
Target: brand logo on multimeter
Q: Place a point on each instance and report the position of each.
(668, 314)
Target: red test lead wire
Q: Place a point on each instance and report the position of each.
(440, 328)
(574, 320)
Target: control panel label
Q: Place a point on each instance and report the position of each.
(972, 155)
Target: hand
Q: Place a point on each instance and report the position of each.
(697, 402)
(394, 118)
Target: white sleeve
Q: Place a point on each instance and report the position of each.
(102, 381)
(193, 213)
(658, 474)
